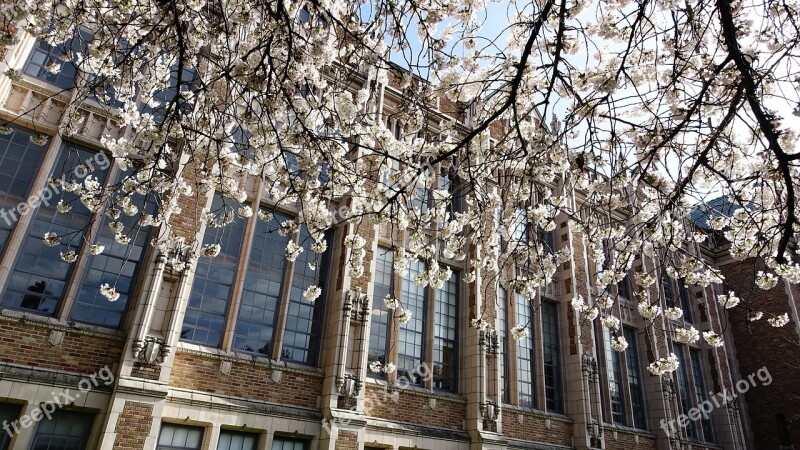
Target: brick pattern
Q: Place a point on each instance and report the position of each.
(247, 381)
(628, 441)
(28, 344)
(146, 371)
(347, 440)
(187, 222)
(764, 403)
(414, 408)
(533, 428)
(133, 426)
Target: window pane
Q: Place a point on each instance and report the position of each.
(526, 354)
(179, 437)
(301, 334)
(410, 350)
(255, 324)
(232, 440)
(683, 390)
(38, 280)
(282, 443)
(116, 266)
(66, 430)
(552, 365)
(8, 414)
(445, 338)
(614, 374)
(161, 103)
(20, 160)
(686, 305)
(502, 337)
(44, 54)
(213, 282)
(635, 378)
(379, 328)
(700, 390)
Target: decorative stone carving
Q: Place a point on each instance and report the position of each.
(357, 303)
(150, 350)
(56, 337)
(348, 387)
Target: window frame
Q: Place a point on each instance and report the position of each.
(511, 359)
(285, 299)
(602, 343)
(697, 430)
(22, 232)
(176, 426)
(90, 419)
(233, 433)
(428, 333)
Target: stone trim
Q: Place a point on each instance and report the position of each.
(417, 430)
(227, 403)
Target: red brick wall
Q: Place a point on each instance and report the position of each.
(146, 371)
(27, 344)
(627, 441)
(244, 381)
(347, 440)
(133, 426)
(760, 345)
(414, 408)
(533, 428)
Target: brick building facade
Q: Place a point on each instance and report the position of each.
(773, 410)
(228, 355)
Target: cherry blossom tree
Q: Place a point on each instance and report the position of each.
(621, 116)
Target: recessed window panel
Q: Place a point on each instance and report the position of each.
(39, 278)
(204, 321)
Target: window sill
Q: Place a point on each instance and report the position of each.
(245, 358)
(14, 315)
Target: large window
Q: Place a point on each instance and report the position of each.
(684, 393)
(692, 390)
(54, 64)
(179, 437)
(39, 279)
(635, 378)
(700, 391)
(67, 430)
(411, 351)
(381, 316)
(502, 337)
(551, 363)
(623, 392)
(116, 266)
(534, 374)
(265, 295)
(414, 344)
(526, 353)
(614, 376)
